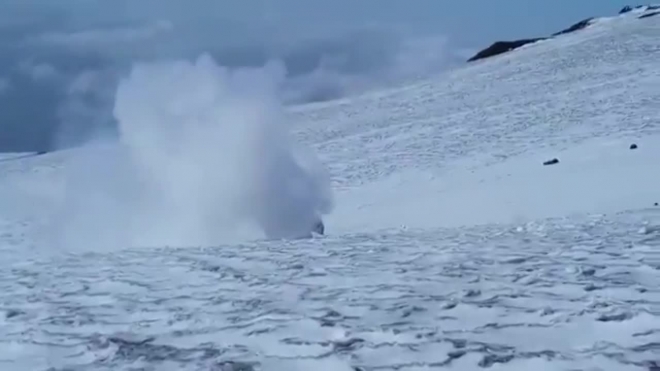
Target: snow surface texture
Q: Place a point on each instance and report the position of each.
(450, 245)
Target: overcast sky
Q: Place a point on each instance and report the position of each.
(263, 19)
(65, 56)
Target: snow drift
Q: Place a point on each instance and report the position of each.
(204, 157)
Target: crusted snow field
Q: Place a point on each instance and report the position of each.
(557, 295)
(451, 246)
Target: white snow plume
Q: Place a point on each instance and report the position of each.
(204, 157)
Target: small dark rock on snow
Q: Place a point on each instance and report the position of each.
(551, 162)
(633, 146)
(319, 227)
(234, 366)
(13, 313)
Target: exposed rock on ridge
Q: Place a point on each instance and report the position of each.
(500, 47)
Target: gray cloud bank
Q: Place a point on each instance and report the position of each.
(60, 62)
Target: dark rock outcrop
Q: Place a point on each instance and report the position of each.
(648, 15)
(628, 8)
(576, 27)
(500, 47)
(554, 161)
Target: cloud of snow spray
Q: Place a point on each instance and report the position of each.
(204, 158)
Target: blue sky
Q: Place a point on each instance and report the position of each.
(66, 56)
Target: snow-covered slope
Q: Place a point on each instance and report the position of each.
(450, 246)
(596, 90)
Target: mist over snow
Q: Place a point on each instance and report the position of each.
(204, 158)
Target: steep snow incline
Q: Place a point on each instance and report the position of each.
(451, 161)
(521, 108)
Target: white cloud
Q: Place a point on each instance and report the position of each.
(84, 82)
(101, 39)
(66, 48)
(87, 106)
(5, 85)
(38, 71)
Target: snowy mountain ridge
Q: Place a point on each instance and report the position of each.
(500, 47)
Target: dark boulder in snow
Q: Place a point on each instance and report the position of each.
(319, 227)
(288, 229)
(551, 162)
(500, 47)
(576, 27)
(633, 146)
